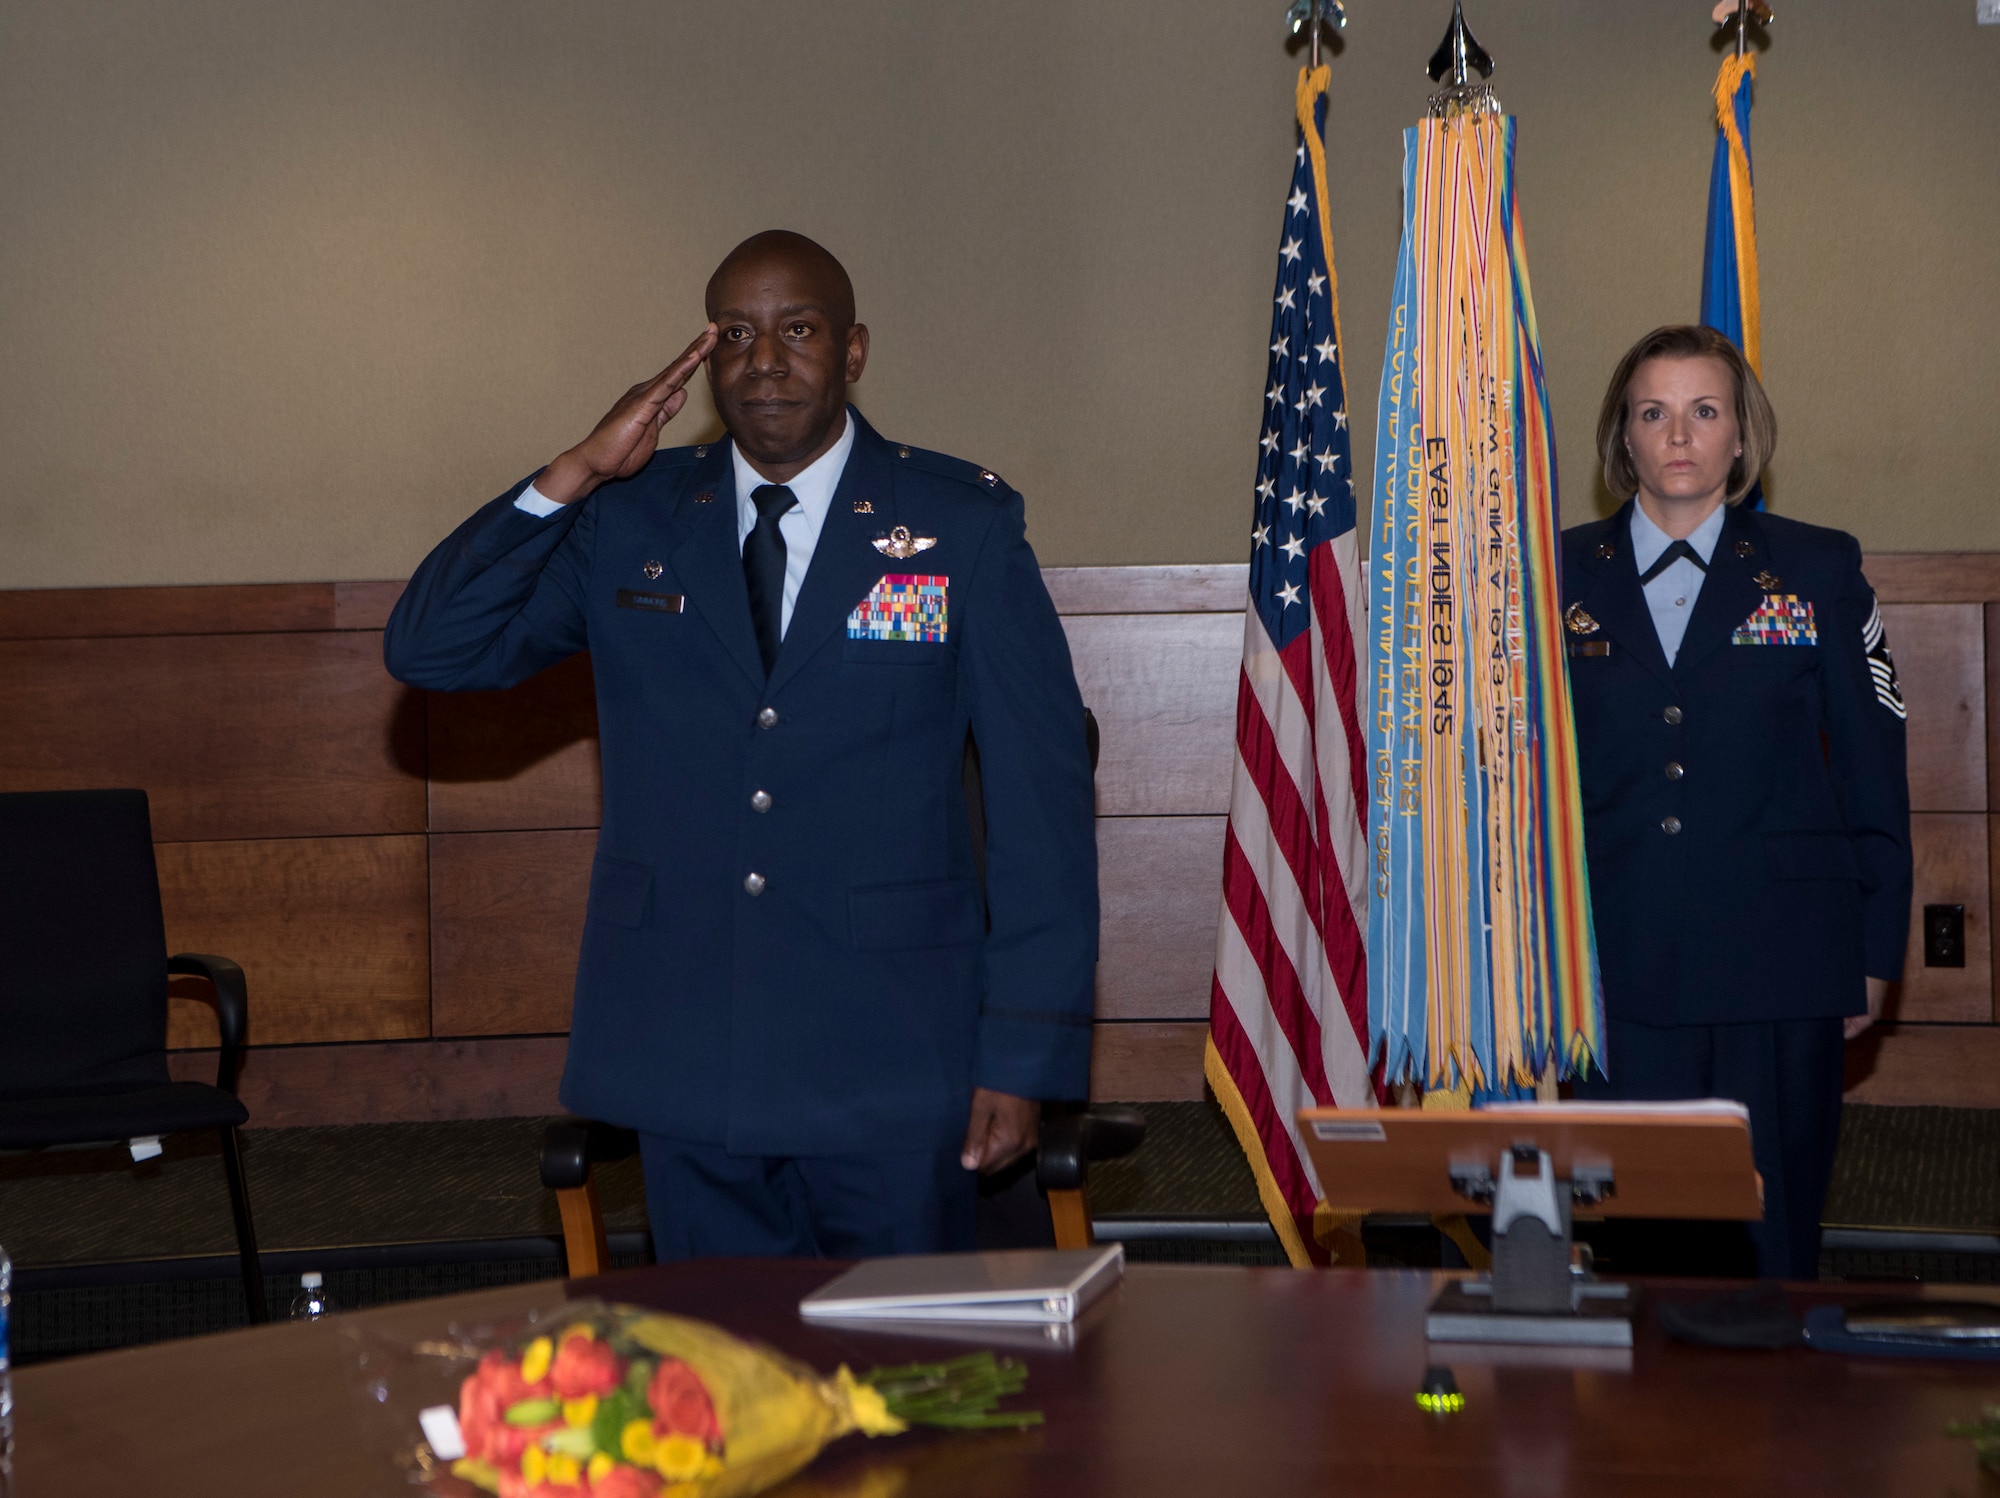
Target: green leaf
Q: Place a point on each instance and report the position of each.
(614, 1412)
(571, 1440)
(532, 1412)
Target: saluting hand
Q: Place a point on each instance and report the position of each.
(624, 441)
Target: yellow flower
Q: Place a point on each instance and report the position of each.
(534, 1465)
(579, 1330)
(599, 1468)
(870, 1409)
(636, 1441)
(679, 1458)
(564, 1470)
(580, 1411)
(535, 1361)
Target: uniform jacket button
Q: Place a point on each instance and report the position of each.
(760, 801)
(1674, 770)
(753, 884)
(1672, 714)
(1668, 825)
(768, 718)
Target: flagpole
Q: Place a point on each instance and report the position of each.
(1742, 14)
(1309, 15)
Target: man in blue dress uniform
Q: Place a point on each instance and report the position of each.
(792, 983)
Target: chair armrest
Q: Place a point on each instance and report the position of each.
(232, 1006)
(1071, 1141)
(570, 1146)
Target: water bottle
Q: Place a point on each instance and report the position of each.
(6, 1378)
(311, 1303)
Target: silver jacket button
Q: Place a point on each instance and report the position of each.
(1674, 770)
(1668, 825)
(760, 801)
(768, 718)
(1672, 715)
(753, 884)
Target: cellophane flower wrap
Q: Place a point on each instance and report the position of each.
(587, 1400)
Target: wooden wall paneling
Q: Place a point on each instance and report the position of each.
(364, 605)
(1160, 886)
(523, 758)
(1147, 1063)
(1952, 868)
(1992, 898)
(417, 1081)
(97, 613)
(1934, 576)
(1200, 588)
(1993, 707)
(1940, 651)
(231, 736)
(1937, 1066)
(507, 914)
(330, 932)
(1163, 687)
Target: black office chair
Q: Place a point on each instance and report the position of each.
(1070, 1138)
(83, 993)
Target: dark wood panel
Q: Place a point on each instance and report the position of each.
(1147, 1063)
(517, 759)
(1160, 885)
(330, 933)
(1163, 687)
(414, 1081)
(1952, 868)
(364, 605)
(230, 735)
(506, 922)
(1940, 651)
(1936, 1066)
(1199, 588)
(1993, 706)
(1934, 576)
(56, 613)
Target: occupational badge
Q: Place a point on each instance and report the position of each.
(1770, 582)
(901, 608)
(1578, 622)
(901, 545)
(652, 571)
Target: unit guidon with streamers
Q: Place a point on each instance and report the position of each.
(901, 608)
(1288, 1007)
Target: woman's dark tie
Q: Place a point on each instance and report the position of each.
(1667, 559)
(764, 569)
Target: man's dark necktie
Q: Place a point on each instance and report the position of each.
(1666, 559)
(764, 569)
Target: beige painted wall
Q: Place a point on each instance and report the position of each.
(285, 290)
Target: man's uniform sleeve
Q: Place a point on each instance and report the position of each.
(1867, 749)
(499, 599)
(1041, 848)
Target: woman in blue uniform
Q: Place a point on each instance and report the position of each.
(1746, 808)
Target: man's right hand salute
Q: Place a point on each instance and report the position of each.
(624, 442)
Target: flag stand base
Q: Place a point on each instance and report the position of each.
(1536, 1295)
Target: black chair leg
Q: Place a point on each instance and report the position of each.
(246, 1235)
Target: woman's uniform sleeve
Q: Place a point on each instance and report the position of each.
(1868, 754)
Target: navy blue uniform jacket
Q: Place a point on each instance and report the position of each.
(853, 1003)
(1779, 769)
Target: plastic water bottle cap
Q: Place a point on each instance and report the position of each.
(311, 1280)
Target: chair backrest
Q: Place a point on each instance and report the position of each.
(83, 947)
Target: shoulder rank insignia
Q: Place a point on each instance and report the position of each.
(1882, 665)
(1578, 621)
(901, 545)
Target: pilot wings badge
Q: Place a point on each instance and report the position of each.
(901, 545)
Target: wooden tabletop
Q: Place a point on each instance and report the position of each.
(1184, 1381)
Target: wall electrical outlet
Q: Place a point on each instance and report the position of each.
(1944, 936)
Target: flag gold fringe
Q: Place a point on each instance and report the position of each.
(1727, 79)
(1237, 1112)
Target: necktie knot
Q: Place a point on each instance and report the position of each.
(1667, 558)
(772, 500)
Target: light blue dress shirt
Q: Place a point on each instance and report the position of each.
(800, 525)
(1670, 596)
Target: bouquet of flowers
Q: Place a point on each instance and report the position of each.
(596, 1401)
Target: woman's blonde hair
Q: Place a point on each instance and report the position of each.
(1756, 423)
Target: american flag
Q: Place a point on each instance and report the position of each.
(1288, 1011)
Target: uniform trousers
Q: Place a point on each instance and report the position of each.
(704, 1202)
(1788, 1073)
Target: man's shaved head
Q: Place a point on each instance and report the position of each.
(810, 263)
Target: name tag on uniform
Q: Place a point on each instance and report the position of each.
(652, 603)
(1591, 647)
(1781, 619)
(901, 607)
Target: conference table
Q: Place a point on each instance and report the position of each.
(1183, 1380)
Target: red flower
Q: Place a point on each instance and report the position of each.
(584, 1365)
(483, 1401)
(681, 1406)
